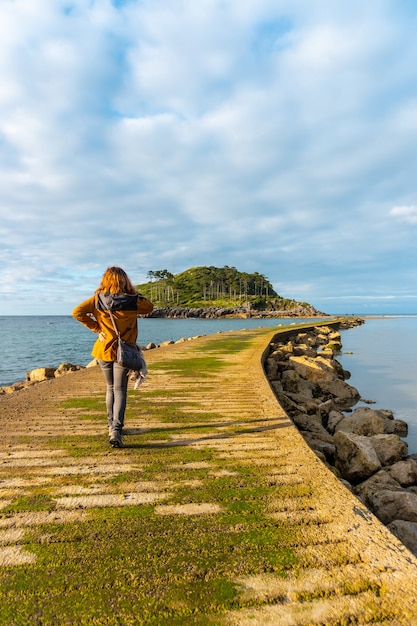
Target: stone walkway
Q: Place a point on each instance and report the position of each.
(348, 568)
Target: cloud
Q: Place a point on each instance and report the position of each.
(406, 214)
(276, 137)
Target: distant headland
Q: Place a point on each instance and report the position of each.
(213, 292)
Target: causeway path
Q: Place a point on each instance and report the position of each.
(215, 512)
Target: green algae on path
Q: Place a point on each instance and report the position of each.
(215, 513)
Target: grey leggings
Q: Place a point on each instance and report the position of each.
(116, 378)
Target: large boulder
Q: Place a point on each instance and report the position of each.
(323, 332)
(66, 368)
(398, 427)
(333, 420)
(283, 352)
(324, 408)
(380, 481)
(308, 405)
(12, 388)
(404, 472)
(364, 421)
(387, 499)
(290, 407)
(344, 393)
(307, 389)
(322, 444)
(293, 384)
(367, 421)
(308, 339)
(389, 448)
(311, 423)
(315, 370)
(355, 456)
(290, 380)
(333, 346)
(406, 532)
(271, 368)
(303, 349)
(40, 373)
(389, 505)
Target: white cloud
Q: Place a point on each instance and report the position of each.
(405, 213)
(272, 136)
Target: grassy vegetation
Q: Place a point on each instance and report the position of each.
(127, 565)
(225, 287)
(135, 567)
(145, 570)
(228, 344)
(35, 502)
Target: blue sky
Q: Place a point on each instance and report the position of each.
(277, 136)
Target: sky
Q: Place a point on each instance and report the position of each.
(274, 136)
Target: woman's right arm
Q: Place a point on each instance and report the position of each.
(84, 313)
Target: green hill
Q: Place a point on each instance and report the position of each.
(202, 287)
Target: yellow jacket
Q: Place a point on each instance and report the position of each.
(125, 311)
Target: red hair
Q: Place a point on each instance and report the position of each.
(115, 280)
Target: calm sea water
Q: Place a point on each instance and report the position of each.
(383, 365)
(34, 341)
(383, 360)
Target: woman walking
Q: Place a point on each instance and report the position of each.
(116, 293)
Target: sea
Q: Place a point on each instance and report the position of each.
(380, 354)
(382, 359)
(28, 342)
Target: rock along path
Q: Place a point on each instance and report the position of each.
(244, 523)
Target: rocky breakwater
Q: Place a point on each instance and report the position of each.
(182, 312)
(362, 446)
